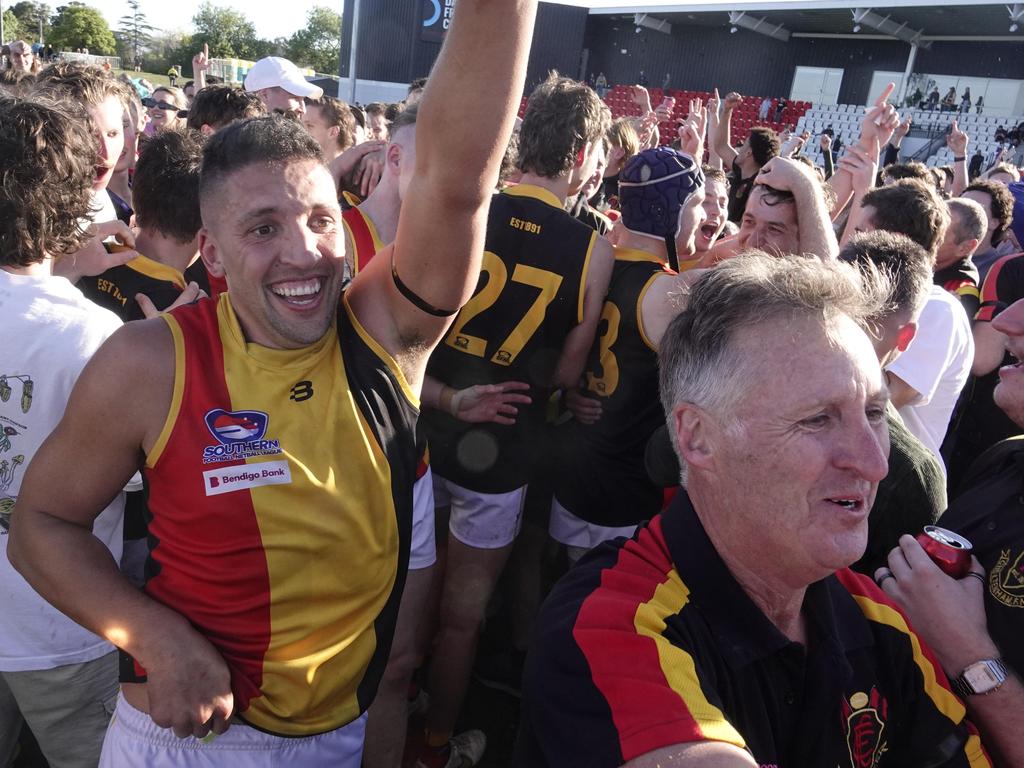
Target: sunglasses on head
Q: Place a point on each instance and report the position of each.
(151, 103)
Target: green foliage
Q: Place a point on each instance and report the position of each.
(171, 48)
(78, 26)
(134, 34)
(228, 33)
(12, 27)
(318, 44)
(28, 15)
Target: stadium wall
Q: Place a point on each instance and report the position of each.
(392, 45)
(699, 58)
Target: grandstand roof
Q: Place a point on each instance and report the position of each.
(936, 18)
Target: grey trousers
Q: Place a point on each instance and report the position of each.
(68, 709)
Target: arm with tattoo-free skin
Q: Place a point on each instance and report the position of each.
(459, 146)
(949, 615)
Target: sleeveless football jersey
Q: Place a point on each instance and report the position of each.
(280, 498)
(363, 235)
(115, 289)
(528, 298)
(604, 480)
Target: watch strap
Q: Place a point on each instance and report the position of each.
(963, 688)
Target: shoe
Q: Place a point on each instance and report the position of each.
(502, 672)
(465, 750)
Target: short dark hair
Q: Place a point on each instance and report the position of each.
(908, 170)
(268, 139)
(376, 108)
(219, 105)
(764, 144)
(912, 208)
(336, 113)
(358, 115)
(165, 191)
(417, 85)
(562, 117)
(773, 196)
(1000, 203)
(49, 159)
(391, 110)
(405, 118)
(907, 265)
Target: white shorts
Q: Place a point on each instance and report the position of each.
(424, 547)
(134, 741)
(573, 531)
(481, 520)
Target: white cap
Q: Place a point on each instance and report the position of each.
(275, 72)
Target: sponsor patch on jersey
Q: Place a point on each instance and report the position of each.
(228, 479)
(239, 435)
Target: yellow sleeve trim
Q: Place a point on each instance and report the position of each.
(944, 700)
(677, 665)
(381, 353)
(176, 396)
(583, 277)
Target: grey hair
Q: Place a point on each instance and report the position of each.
(699, 360)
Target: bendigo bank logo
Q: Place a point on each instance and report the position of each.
(239, 435)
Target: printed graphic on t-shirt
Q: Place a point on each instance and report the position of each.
(11, 461)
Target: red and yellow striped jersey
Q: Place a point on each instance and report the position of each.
(280, 498)
(363, 236)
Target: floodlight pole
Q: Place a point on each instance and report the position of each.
(911, 60)
(353, 49)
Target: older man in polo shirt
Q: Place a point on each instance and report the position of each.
(728, 631)
(280, 85)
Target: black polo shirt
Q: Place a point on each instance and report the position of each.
(990, 514)
(651, 642)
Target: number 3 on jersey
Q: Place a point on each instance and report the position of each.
(547, 284)
(605, 384)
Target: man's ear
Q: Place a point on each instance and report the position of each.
(209, 254)
(580, 157)
(967, 247)
(905, 335)
(393, 156)
(333, 131)
(691, 432)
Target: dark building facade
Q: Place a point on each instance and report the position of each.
(394, 47)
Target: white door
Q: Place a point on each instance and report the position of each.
(816, 84)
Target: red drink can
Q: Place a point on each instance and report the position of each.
(950, 551)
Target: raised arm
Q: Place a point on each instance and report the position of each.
(407, 295)
(957, 141)
(722, 140)
(876, 129)
(813, 223)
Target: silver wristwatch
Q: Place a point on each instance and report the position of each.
(980, 677)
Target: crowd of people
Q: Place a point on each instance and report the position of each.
(292, 390)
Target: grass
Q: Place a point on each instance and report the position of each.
(154, 78)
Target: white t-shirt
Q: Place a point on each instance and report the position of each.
(50, 332)
(936, 364)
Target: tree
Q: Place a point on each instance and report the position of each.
(135, 32)
(29, 15)
(78, 26)
(228, 33)
(12, 27)
(318, 44)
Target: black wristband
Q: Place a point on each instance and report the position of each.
(959, 159)
(418, 302)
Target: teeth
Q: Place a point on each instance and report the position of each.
(296, 290)
(848, 503)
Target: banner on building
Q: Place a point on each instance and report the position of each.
(437, 17)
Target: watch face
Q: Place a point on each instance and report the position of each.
(980, 677)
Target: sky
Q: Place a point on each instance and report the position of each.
(272, 18)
